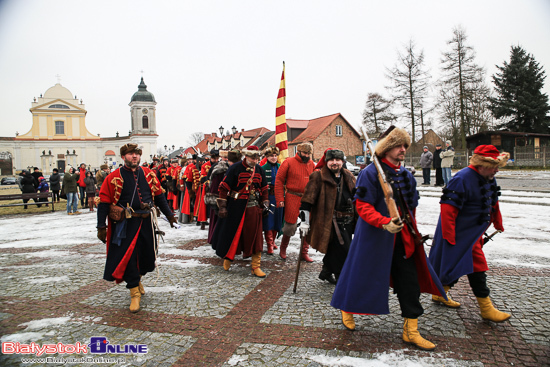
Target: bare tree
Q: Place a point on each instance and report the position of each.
(463, 80)
(377, 113)
(410, 83)
(195, 138)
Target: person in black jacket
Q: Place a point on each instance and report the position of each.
(27, 185)
(36, 175)
(437, 166)
(55, 184)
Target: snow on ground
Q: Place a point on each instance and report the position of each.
(525, 241)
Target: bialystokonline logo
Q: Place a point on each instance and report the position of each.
(98, 345)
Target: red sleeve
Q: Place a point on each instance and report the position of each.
(369, 214)
(496, 218)
(448, 222)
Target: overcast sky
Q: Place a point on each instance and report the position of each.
(212, 63)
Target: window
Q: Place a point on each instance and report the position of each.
(60, 128)
(59, 106)
(145, 122)
(338, 130)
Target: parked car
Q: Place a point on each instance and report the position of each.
(9, 181)
(353, 168)
(411, 168)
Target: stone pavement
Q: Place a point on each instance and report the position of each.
(196, 314)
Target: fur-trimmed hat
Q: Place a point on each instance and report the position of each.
(183, 161)
(391, 138)
(104, 166)
(328, 155)
(155, 158)
(129, 148)
(251, 151)
(271, 151)
(305, 147)
(234, 155)
(174, 160)
(489, 156)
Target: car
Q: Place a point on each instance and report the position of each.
(9, 181)
(353, 168)
(411, 169)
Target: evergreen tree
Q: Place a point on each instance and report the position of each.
(519, 100)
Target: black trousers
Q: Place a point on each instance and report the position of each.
(405, 281)
(336, 255)
(55, 196)
(426, 175)
(478, 283)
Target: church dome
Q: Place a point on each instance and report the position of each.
(142, 95)
(58, 91)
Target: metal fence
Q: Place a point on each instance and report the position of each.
(460, 160)
(530, 156)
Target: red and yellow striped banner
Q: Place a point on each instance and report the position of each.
(281, 140)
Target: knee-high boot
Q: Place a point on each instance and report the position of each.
(256, 258)
(284, 245)
(269, 241)
(275, 247)
(304, 255)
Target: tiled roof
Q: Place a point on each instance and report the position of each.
(314, 128)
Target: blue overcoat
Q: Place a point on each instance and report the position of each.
(365, 279)
(475, 198)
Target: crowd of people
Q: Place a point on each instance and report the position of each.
(365, 227)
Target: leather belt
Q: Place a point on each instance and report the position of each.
(338, 214)
(300, 194)
(140, 215)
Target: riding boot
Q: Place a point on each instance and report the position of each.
(489, 312)
(91, 204)
(203, 226)
(275, 247)
(304, 255)
(136, 297)
(269, 241)
(450, 302)
(348, 321)
(284, 245)
(256, 265)
(412, 336)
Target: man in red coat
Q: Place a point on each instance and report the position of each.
(82, 185)
(290, 183)
(191, 176)
(201, 211)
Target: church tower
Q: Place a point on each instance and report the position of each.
(142, 109)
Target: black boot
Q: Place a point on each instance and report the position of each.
(325, 274)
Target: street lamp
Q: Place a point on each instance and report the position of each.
(221, 131)
(234, 129)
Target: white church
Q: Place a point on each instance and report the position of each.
(59, 137)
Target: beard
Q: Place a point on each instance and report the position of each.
(335, 169)
(303, 158)
(128, 163)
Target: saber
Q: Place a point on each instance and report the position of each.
(490, 237)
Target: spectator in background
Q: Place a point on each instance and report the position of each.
(82, 185)
(70, 187)
(437, 166)
(43, 187)
(90, 182)
(101, 174)
(27, 185)
(447, 157)
(426, 162)
(36, 174)
(55, 184)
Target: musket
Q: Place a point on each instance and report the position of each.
(386, 186)
(302, 240)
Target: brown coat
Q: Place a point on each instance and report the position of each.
(321, 192)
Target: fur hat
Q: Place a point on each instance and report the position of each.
(334, 154)
(234, 155)
(104, 166)
(155, 158)
(223, 153)
(393, 137)
(174, 160)
(305, 147)
(183, 161)
(271, 150)
(251, 151)
(489, 156)
(129, 148)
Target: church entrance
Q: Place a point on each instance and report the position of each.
(61, 166)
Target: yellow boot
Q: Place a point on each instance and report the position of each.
(348, 321)
(450, 302)
(141, 288)
(489, 312)
(226, 264)
(256, 265)
(136, 297)
(412, 336)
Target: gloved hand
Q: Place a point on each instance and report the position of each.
(222, 205)
(393, 226)
(102, 234)
(304, 226)
(173, 221)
